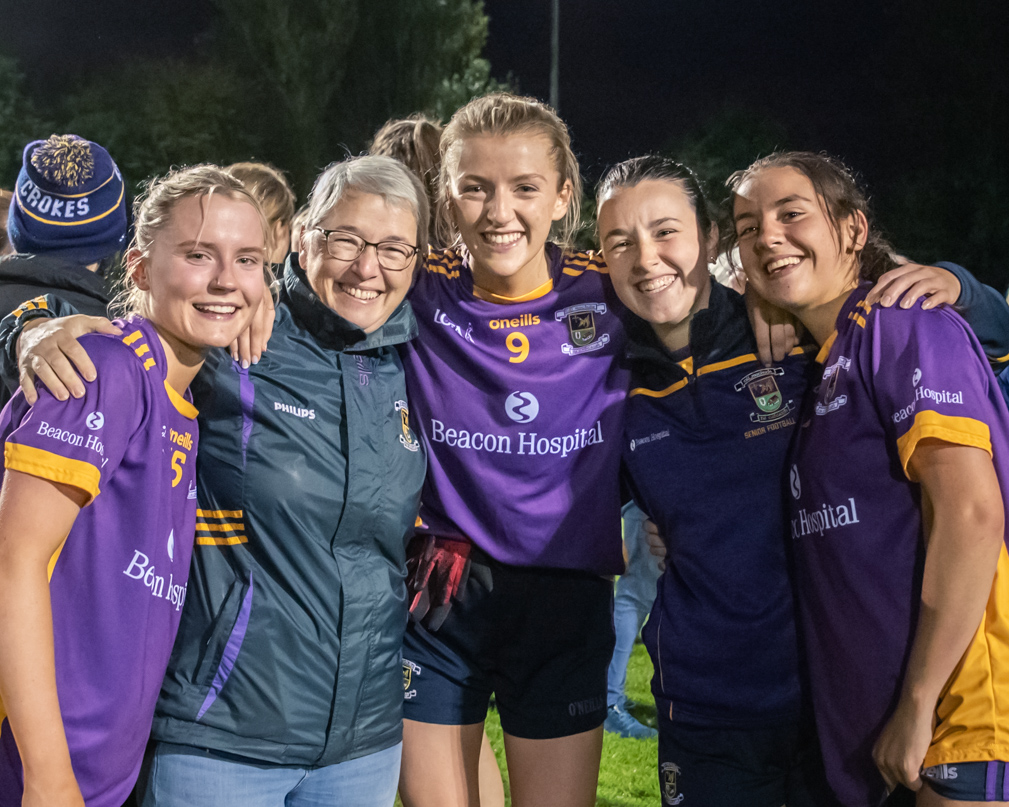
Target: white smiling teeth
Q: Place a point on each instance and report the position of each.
(360, 294)
(216, 309)
(655, 283)
(781, 263)
(502, 238)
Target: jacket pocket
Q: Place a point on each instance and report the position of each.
(227, 635)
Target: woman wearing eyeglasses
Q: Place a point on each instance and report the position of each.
(285, 686)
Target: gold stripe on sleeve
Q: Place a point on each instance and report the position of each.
(46, 465)
(949, 428)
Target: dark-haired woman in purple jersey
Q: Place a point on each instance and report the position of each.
(897, 487)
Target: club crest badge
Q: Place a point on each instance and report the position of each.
(668, 774)
(407, 438)
(409, 670)
(581, 322)
(762, 385)
(828, 400)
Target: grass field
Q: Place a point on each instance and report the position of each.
(627, 777)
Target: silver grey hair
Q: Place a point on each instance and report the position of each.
(381, 176)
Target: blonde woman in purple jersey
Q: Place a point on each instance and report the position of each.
(517, 390)
(98, 503)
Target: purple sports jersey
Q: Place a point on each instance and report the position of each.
(890, 379)
(118, 583)
(521, 406)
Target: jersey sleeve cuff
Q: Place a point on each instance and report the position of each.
(948, 428)
(53, 467)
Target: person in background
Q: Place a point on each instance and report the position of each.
(415, 141)
(297, 225)
(277, 199)
(66, 224)
(5, 203)
(98, 503)
(635, 593)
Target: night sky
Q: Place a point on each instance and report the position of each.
(891, 86)
(635, 74)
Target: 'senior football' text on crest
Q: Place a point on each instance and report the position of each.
(581, 322)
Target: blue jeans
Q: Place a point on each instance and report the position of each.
(633, 600)
(182, 776)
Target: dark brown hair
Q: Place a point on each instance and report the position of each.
(835, 184)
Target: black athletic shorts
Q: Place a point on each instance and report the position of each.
(539, 640)
(728, 767)
(970, 781)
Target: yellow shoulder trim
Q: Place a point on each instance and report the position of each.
(440, 269)
(443, 262)
(182, 406)
(577, 263)
(821, 357)
(46, 465)
(1001, 359)
(957, 430)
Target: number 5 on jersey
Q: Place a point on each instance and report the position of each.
(178, 460)
(518, 343)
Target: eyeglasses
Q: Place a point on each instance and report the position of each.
(395, 256)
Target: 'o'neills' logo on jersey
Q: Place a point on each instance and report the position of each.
(521, 321)
(827, 401)
(297, 411)
(528, 443)
(828, 517)
(581, 321)
(442, 319)
(407, 439)
(763, 387)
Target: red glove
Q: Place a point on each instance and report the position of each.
(436, 570)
